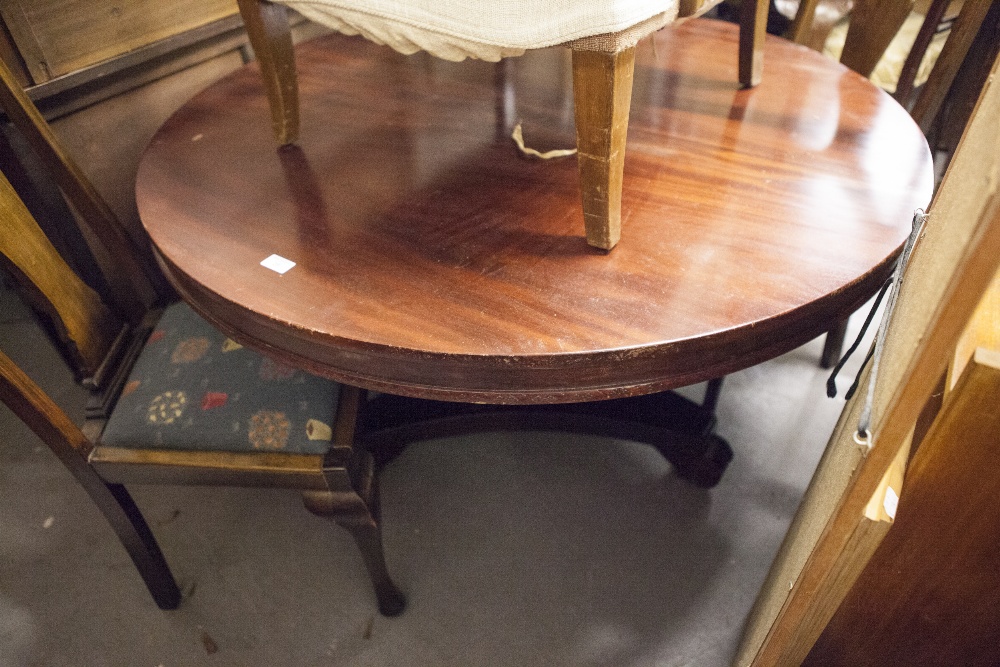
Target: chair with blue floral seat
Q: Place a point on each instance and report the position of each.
(188, 405)
(601, 33)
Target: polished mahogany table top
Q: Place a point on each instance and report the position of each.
(433, 260)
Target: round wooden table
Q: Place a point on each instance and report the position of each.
(433, 260)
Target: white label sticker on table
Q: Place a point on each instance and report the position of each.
(278, 263)
(891, 502)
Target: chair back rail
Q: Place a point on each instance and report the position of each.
(86, 326)
(873, 25)
(134, 275)
(954, 52)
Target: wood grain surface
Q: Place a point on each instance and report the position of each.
(86, 326)
(56, 38)
(929, 595)
(434, 260)
(602, 88)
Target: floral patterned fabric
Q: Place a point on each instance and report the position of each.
(193, 388)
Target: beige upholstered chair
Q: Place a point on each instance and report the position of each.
(601, 33)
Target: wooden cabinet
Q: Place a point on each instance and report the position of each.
(55, 38)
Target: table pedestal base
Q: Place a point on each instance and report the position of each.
(678, 428)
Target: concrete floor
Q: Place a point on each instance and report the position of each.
(513, 549)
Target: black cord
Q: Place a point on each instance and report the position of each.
(831, 383)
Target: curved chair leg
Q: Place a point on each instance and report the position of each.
(753, 26)
(368, 536)
(360, 517)
(71, 446)
(602, 95)
(351, 498)
(271, 39)
(133, 531)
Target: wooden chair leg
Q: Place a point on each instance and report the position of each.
(834, 345)
(753, 26)
(358, 513)
(72, 448)
(874, 24)
(712, 391)
(602, 94)
(368, 536)
(128, 523)
(351, 498)
(271, 38)
(802, 26)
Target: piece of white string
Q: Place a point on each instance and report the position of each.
(863, 436)
(518, 138)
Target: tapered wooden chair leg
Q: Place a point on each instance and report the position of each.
(833, 346)
(355, 514)
(753, 26)
(368, 536)
(36, 409)
(602, 95)
(271, 38)
(128, 523)
(712, 391)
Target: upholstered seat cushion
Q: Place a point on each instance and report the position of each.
(489, 29)
(192, 388)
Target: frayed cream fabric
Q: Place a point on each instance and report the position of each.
(492, 29)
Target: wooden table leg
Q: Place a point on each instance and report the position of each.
(602, 95)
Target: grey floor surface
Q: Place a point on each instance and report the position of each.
(513, 549)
